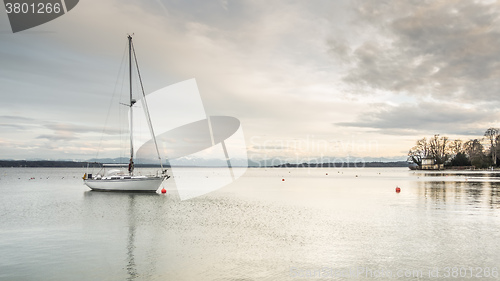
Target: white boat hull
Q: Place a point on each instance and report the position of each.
(144, 184)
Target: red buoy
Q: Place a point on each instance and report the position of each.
(163, 190)
(398, 190)
(282, 179)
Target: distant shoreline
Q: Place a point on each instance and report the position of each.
(83, 164)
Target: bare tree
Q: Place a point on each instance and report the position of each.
(419, 151)
(438, 147)
(474, 150)
(492, 136)
(473, 147)
(456, 147)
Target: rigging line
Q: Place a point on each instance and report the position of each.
(111, 102)
(145, 104)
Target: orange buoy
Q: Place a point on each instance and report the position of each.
(398, 190)
(163, 190)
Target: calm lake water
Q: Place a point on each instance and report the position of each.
(318, 224)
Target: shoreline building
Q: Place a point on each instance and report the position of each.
(429, 163)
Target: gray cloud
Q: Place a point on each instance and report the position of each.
(424, 118)
(446, 49)
(15, 118)
(56, 137)
(26, 123)
(79, 128)
(14, 126)
(69, 132)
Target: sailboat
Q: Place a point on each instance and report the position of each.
(124, 179)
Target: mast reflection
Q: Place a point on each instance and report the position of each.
(105, 208)
(131, 266)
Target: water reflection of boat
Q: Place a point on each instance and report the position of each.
(129, 203)
(131, 266)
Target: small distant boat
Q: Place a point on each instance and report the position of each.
(121, 177)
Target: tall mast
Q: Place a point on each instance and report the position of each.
(146, 110)
(132, 101)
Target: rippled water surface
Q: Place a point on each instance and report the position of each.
(317, 224)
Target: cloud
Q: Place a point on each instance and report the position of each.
(81, 129)
(25, 137)
(57, 137)
(443, 49)
(425, 118)
(27, 123)
(15, 118)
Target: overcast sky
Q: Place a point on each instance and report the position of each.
(305, 78)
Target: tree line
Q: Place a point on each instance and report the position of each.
(480, 153)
